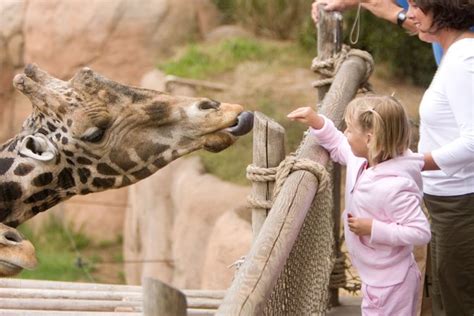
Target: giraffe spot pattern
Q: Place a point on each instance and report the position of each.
(106, 170)
(121, 159)
(10, 191)
(158, 110)
(142, 173)
(51, 127)
(43, 131)
(103, 183)
(145, 151)
(23, 169)
(83, 161)
(126, 181)
(5, 164)
(160, 162)
(45, 206)
(65, 179)
(68, 153)
(4, 213)
(84, 174)
(39, 196)
(13, 224)
(42, 179)
(13, 145)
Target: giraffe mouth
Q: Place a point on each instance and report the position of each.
(243, 125)
(11, 267)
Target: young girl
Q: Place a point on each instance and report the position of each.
(383, 219)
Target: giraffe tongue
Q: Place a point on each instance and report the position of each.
(244, 124)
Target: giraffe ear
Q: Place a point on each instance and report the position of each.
(38, 147)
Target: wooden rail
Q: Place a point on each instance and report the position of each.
(33, 297)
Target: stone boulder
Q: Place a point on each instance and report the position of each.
(171, 232)
(121, 38)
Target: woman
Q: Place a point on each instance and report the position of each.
(447, 142)
(393, 11)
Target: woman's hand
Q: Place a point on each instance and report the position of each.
(307, 116)
(360, 226)
(331, 5)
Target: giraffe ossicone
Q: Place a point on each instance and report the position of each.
(91, 134)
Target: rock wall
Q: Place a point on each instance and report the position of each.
(190, 229)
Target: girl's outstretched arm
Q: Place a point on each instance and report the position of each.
(308, 116)
(327, 134)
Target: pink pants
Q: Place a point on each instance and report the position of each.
(395, 300)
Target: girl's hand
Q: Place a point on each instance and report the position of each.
(307, 116)
(360, 226)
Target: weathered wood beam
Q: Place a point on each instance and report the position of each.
(268, 152)
(161, 299)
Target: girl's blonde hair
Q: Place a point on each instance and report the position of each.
(388, 122)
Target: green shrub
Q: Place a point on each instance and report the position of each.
(280, 19)
(56, 254)
(200, 61)
(406, 56)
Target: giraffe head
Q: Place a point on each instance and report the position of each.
(16, 253)
(91, 134)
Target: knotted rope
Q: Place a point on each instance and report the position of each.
(280, 174)
(328, 68)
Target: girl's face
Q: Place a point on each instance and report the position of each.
(423, 22)
(358, 140)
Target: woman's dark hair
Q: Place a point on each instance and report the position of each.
(453, 14)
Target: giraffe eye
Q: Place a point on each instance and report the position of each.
(93, 135)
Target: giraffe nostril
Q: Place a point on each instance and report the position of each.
(209, 104)
(12, 236)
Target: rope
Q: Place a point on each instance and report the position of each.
(280, 174)
(328, 68)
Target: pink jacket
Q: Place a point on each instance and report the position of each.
(390, 193)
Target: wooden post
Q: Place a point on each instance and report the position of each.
(329, 44)
(268, 152)
(329, 39)
(160, 299)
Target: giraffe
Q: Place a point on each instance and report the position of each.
(91, 134)
(16, 252)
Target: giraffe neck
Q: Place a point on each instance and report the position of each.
(28, 186)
